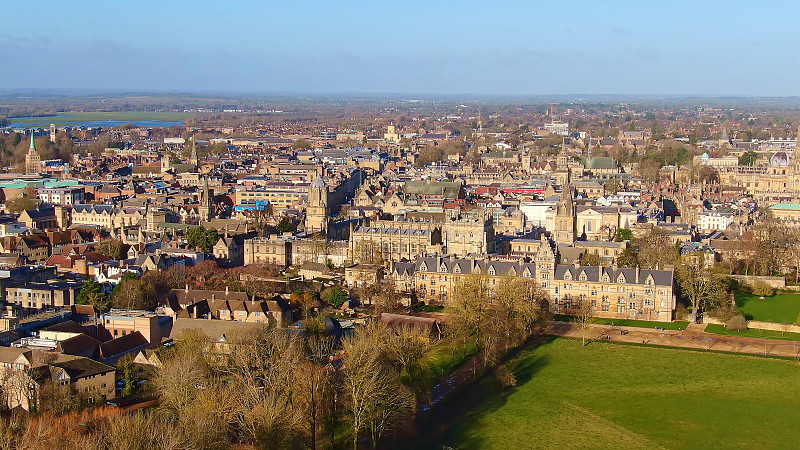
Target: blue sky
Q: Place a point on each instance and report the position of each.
(381, 46)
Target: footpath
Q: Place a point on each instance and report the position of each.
(692, 337)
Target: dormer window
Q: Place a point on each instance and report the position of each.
(443, 268)
(621, 279)
(457, 269)
(567, 276)
(583, 276)
(491, 270)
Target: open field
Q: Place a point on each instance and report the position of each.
(753, 332)
(677, 325)
(783, 307)
(620, 396)
(88, 118)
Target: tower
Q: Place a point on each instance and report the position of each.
(724, 141)
(33, 164)
(193, 158)
(526, 161)
(206, 209)
(317, 210)
(564, 232)
(52, 132)
(795, 165)
(165, 164)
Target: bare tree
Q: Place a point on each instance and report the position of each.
(583, 314)
(314, 382)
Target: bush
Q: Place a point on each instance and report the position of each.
(725, 312)
(681, 312)
(506, 377)
(762, 289)
(737, 323)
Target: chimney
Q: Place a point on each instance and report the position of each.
(213, 297)
(637, 274)
(226, 291)
(186, 290)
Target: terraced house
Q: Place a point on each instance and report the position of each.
(611, 292)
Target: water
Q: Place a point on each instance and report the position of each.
(22, 123)
(153, 120)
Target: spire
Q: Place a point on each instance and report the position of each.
(33, 144)
(193, 158)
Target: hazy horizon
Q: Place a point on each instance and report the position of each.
(447, 48)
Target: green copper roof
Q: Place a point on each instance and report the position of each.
(32, 144)
(786, 206)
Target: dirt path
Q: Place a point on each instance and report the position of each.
(692, 337)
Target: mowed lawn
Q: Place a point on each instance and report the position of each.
(676, 325)
(616, 396)
(783, 307)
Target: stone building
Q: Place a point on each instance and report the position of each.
(317, 210)
(611, 292)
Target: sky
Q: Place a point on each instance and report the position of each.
(700, 47)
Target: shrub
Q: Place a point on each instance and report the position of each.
(681, 312)
(737, 323)
(762, 289)
(506, 377)
(725, 312)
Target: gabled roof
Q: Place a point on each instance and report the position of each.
(122, 345)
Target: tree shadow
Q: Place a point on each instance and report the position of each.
(454, 418)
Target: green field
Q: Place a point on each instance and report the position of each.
(783, 307)
(677, 325)
(80, 118)
(615, 396)
(753, 332)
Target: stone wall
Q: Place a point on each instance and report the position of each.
(775, 282)
(754, 324)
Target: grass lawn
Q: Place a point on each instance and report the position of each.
(753, 332)
(615, 396)
(447, 356)
(783, 307)
(677, 325)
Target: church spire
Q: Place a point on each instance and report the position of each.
(193, 158)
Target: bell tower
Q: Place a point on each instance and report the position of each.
(317, 210)
(564, 232)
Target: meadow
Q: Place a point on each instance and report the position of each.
(608, 395)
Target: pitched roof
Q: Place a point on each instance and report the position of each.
(122, 344)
